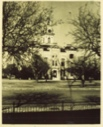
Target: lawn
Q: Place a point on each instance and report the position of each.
(51, 91)
(29, 91)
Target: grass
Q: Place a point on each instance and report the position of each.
(29, 91)
(51, 91)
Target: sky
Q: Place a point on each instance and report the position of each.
(66, 10)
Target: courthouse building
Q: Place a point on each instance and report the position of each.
(58, 58)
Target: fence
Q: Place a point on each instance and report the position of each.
(63, 106)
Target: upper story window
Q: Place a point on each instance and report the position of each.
(62, 50)
(45, 49)
(71, 56)
(54, 63)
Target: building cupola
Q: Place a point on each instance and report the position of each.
(48, 36)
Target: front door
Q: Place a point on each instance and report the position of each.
(55, 75)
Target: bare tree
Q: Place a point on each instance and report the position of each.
(84, 67)
(39, 66)
(23, 24)
(86, 31)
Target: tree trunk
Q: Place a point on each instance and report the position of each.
(46, 77)
(36, 78)
(83, 80)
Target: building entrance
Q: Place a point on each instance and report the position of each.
(55, 75)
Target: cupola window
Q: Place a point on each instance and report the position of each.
(49, 31)
(49, 40)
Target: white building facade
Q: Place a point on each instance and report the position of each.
(57, 57)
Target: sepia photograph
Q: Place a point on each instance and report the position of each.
(51, 62)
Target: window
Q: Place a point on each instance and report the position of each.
(49, 40)
(53, 63)
(62, 73)
(49, 31)
(62, 62)
(62, 50)
(45, 49)
(71, 56)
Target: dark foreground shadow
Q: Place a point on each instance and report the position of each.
(57, 117)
